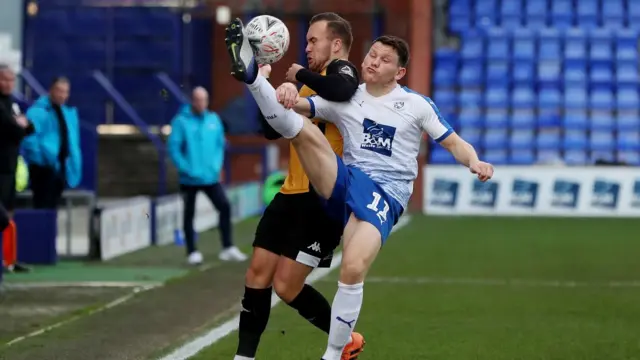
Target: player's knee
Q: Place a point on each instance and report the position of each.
(286, 289)
(353, 271)
(259, 275)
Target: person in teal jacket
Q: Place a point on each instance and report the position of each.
(196, 147)
(53, 150)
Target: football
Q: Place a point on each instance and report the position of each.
(269, 37)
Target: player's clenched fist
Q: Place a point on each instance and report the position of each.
(293, 71)
(483, 169)
(287, 95)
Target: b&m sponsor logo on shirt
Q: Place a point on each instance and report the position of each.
(524, 193)
(605, 194)
(565, 194)
(635, 200)
(484, 194)
(377, 137)
(444, 193)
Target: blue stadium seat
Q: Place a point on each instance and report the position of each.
(575, 140)
(496, 97)
(575, 157)
(524, 48)
(548, 156)
(627, 45)
(523, 72)
(628, 121)
(575, 98)
(523, 97)
(627, 99)
(536, 22)
(628, 140)
(521, 140)
(459, 24)
(549, 118)
(601, 74)
(561, 14)
(446, 99)
(602, 121)
(497, 45)
(576, 119)
(575, 74)
(486, 14)
(497, 157)
(601, 99)
(511, 8)
(536, 8)
(549, 73)
(498, 73)
(494, 139)
(548, 140)
(469, 98)
(441, 156)
(523, 119)
(549, 98)
(627, 74)
(549, 45)
(601, 141)
(496, 119)
(607, 155)
(613, 14)
(521, 157)
(511, 22)
(633, 14)
(457, 7)
(600, 49)
(471, 118)
(471, 74)
(629, 157)
(445, 76)
(473, 136)
(575, 45)
(472, 46)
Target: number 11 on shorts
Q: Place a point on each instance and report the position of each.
(382, 214)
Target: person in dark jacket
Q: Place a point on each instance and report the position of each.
(53, 151)
(13, 128)
(196, 147)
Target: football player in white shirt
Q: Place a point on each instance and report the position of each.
(382, 127)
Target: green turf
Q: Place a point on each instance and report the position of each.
(436, 293)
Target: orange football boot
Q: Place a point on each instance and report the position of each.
(354, 347)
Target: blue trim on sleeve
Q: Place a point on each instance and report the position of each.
(313, 108)
(445, 135)
(435, 109)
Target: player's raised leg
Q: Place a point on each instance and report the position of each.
(316, 155)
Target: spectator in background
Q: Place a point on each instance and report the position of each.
(13, 128)
(196, 147)
(53, 151)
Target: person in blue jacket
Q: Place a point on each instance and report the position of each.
(53, 150)
(196, 147)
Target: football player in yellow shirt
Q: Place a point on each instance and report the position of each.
(295, 234)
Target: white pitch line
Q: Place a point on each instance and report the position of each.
(216, 334)
(87, 284)
(112, 304)
(501, 282)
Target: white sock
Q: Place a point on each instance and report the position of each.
(238, 357)
(344, 315)
(285, 121)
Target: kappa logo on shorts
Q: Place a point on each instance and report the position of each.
(377, 137)
(524, 193)
(484, 194)
(565, 194)
(314, 247)
(605, 194)
(444, 193)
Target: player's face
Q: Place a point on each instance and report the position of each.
(7, 81)
(381, 65)
(319, 46)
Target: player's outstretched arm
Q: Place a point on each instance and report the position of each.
(466, 155)
(339, 84)
(310, 107)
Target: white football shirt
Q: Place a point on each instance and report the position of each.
(382, 134)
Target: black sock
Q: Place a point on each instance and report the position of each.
(314, 307)
(256, 306)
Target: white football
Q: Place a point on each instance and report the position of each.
(269, 37)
